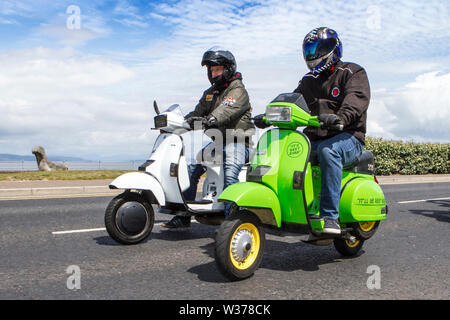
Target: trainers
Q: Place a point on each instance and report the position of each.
(178, 222)
(331, 226)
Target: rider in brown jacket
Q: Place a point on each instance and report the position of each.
(225, 106)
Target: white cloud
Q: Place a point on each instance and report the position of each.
(68, 101)
(68, 37)
(76, 103)
(57, 69)
(266, 38)
(418, 111)
(129, 15)
(19, 8)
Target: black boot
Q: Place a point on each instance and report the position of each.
(178, 222)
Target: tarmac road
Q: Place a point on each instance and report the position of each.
(410, 250)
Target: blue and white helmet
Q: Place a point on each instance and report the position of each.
(321, 49)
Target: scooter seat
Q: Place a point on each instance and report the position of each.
(364, 164)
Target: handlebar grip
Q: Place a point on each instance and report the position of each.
(337, 127)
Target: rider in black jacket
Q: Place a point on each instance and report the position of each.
(339, 93)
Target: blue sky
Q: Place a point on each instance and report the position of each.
(87, 91)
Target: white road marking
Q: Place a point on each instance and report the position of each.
(426, 200)
(78, 231)
(95, 229)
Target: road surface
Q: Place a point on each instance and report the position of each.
(44, 241)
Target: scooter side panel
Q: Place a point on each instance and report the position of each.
(140, 181)
(362, 200)
(183, 174)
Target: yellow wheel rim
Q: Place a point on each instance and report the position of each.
(244, 246)
(367, 226)
(350, 244)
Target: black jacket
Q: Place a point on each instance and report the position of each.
(344, 91)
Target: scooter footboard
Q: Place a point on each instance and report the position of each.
(256, 197)
(140, 181)
(362, 200)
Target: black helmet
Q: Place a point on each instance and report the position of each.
(217, 56)
(321, 49)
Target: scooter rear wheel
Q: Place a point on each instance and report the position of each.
(239, 245)
(129, 218)
(348, 248)
(365, 230)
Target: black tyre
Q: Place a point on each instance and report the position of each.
(365, 230)
(239, 245)
(129, 218)
(347, 248)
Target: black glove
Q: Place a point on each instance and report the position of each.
(191, 121)
(211, 122)
(330, 120)
(259, 122)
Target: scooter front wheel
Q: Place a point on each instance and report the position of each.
(129, 218)
(239, 245)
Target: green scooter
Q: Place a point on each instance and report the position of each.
(281, 195)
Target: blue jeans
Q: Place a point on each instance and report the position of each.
(234, 157)
(334, 154)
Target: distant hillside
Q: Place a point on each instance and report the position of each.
(14, 157)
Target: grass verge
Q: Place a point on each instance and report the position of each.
(61, 175)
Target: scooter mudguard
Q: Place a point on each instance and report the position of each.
(362, 200)
(258, 198)
(140, 181)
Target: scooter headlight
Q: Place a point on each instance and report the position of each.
(161, 121)
(279, 114)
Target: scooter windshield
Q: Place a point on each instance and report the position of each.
(176, 109)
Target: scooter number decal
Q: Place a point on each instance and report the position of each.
(295, 150)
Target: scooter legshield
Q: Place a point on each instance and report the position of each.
(257, 196)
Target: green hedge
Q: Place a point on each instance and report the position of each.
(397, 157)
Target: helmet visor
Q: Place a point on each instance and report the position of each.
(319, 48)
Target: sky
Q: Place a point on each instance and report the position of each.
(80, 77)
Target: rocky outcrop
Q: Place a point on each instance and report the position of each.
(44, 164)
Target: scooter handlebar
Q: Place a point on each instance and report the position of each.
(338, 127)
(314, 122)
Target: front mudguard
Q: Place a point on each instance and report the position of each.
(257, 198)
(140, 181)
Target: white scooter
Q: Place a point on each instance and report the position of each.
(161, 181)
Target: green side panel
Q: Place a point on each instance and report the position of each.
(309, 186)
(286, 152)
(317, 225)
(252, 194)
(362, 200)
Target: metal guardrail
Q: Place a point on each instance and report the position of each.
(73, 165)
